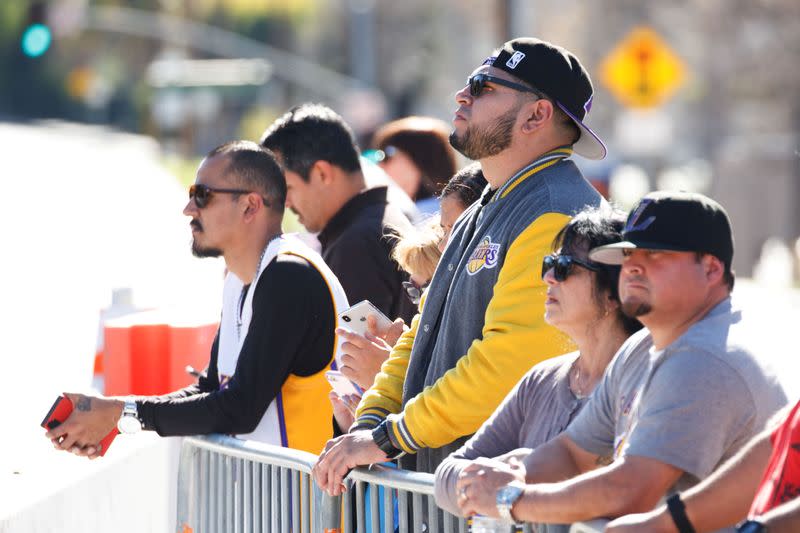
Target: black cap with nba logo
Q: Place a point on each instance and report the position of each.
(557, 73)
(677, 221)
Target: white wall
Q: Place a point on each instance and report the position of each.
(130, 490)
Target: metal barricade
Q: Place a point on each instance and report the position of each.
(416, 509)
(238, 486)
(231, 485)
(413, 494)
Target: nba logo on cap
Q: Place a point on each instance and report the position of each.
(514, 60)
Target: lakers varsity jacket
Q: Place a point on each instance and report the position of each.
(482, 325)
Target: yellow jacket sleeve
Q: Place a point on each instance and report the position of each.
(515, 337)
(386, 394)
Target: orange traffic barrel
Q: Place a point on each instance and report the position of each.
(147, 353)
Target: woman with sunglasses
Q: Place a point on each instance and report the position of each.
(583, 302)
(416, 153)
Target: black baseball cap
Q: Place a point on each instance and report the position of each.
(557, 73)
(678, 221)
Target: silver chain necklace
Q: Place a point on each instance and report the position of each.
(245, 288)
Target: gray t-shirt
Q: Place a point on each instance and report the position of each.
(691, 405)
(537, 409)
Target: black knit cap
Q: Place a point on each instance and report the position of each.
(557, 73)
(679, 221)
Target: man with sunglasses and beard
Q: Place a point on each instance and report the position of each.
(679, 397)
(481, 326)
(276, 335)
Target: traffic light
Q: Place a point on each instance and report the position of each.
(36, 36)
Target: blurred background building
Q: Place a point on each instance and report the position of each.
(717, 108)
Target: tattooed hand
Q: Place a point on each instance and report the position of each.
(84, 403)
(92, 419)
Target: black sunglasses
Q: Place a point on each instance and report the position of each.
(478, 82)
(562, 265)
(202, 193)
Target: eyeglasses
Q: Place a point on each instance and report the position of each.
(202, 193)
(478, 82)
(562, 265)
(414, 293)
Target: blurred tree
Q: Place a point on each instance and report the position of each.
(255, 120)
(249, 8)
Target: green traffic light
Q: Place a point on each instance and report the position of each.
(36, 40)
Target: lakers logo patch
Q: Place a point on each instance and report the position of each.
(483, 256)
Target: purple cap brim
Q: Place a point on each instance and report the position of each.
(589, 145)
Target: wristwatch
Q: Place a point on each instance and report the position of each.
(751, 526)
(381, 437)
(506, 497)
(129, 421)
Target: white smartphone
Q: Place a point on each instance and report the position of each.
(341, 385)
(355, 318)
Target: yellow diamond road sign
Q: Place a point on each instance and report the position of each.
(642, 71)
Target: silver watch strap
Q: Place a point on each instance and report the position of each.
(504, 510)
(504, 507)
(130, 409)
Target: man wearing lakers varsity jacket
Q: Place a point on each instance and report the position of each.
(481, 326)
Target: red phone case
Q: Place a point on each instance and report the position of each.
(61, 410)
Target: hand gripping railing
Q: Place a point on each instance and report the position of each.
(231, 485)
(416, 509)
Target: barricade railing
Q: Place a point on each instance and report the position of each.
(231, 485)
(379, 488)
(387, 499)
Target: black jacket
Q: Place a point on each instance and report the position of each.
(357, 245)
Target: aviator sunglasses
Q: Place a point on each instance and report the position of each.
(478, 81)
(202, 193)
(562, 265)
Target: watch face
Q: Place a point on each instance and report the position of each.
(751, 526)
(380, 437)
(129, 424)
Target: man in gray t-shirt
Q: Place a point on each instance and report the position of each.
(679, 397)
(691, 405)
